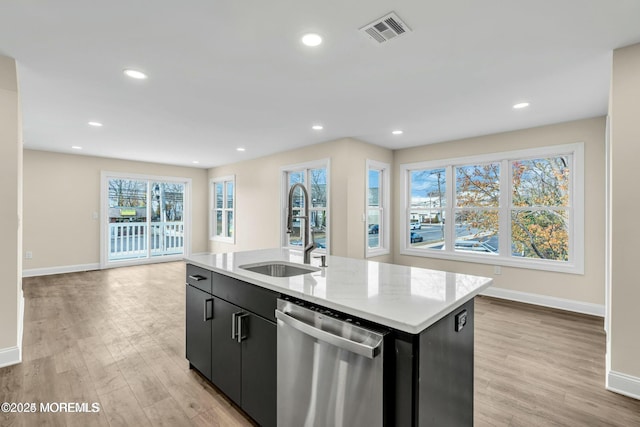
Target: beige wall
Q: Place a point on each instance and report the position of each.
(625, 204)
(10, 214)
(61, 193)
(258, 195)
(587, 288)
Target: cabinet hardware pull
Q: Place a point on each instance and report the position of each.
(241, 316)
(197, 277)
(206, 306)
(233, 326)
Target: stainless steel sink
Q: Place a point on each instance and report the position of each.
(279, 268)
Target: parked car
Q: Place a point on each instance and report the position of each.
(374, 228)
(415, 237)
(415, 226)
(475, 246)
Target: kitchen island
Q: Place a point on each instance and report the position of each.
(428, 316)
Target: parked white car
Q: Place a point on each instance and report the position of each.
(474, 246)
(415, 226)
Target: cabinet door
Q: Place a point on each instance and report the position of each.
(198, 310)
(225, 360)
(259, 350)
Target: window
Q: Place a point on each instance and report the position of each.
(314, 176)
(223, 209)
(427, 213)
(377, 224)
(522, 208)
(540, 208)
(477, 207)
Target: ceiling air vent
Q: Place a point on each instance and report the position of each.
(386, 28)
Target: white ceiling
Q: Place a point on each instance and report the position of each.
(228, 74)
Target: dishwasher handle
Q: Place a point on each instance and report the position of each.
(365, 350)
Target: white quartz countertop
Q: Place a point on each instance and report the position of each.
(409, 299)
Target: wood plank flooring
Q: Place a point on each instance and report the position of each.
(116, 337)
(543, 367)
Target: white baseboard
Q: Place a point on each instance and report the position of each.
(623, 384)
(13, 355)
(141, 261)
(546, 301)
(10, 356)
(33, 272)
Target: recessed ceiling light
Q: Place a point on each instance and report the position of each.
(135, 74)
(195, 162)
(76, 147)
(95, 124)
(311, 39)
(317, 127)
(240, 149)
(521, 105)
(397, 132)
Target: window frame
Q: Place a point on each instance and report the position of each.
(575, 209)
(384, 203)
(213, 219)
(305, 167)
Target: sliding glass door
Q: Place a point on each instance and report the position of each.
(145, 218)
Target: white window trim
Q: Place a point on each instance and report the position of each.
(575, 265)
(284, 199)
(104, 218)
(212, 209)
(385, 224)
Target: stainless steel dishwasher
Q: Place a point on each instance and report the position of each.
(330, 369)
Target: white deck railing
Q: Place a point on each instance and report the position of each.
(129, 240)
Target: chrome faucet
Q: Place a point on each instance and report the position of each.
(309, 244)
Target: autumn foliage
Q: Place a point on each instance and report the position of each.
(540, 202)
(539, 205)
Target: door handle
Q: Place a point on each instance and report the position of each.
(206, 309)
(197, 277)
(239, 318)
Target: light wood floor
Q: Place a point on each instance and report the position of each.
(543, 367)
(116, 337)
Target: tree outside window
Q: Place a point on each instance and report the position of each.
(540, 208)
(477, 207)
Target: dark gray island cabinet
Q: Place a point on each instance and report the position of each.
(231, 339)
